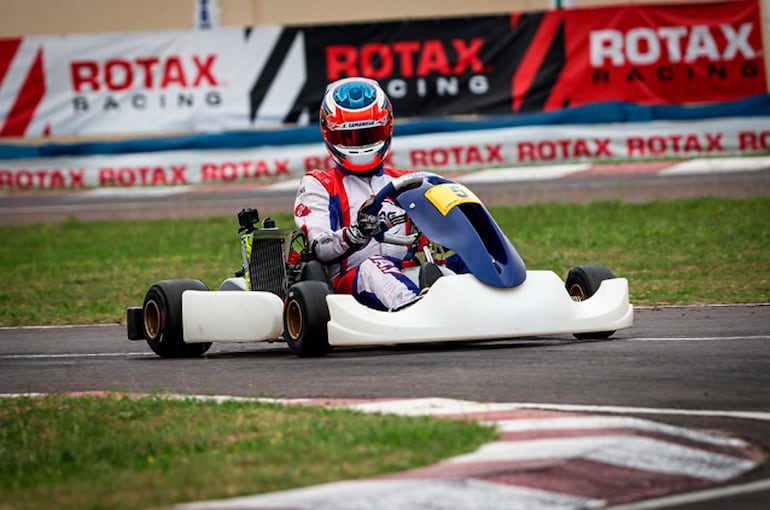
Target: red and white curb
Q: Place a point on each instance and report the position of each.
(544, 459)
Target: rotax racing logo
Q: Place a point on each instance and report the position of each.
(149, 82)
(669, 53)
(414, 67)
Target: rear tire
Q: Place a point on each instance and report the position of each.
(315, 271)
(162, 319)
(305, 319)
(582, 283)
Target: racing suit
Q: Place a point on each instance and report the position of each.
(326, 204)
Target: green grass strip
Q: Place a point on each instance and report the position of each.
(121, 453)
(673, 252)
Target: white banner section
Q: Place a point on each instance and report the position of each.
(442, 153)
(151, 82)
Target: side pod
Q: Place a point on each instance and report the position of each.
(227, 316)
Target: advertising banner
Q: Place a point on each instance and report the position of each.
(686, 53)
(524, 148)
(142, 82)
(269, 76)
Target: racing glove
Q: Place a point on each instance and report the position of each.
(354, 237)
(367, 225)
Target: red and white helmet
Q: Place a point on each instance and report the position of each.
(357, 124)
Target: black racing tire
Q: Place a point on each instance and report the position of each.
(305, 319)
(582, 283)
(162, 319)
(315, 271)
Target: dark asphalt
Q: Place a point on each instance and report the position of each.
(713, 359)
(36, 207)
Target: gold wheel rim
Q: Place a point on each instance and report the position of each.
(152, 319)
(576, 293)
(293, 319)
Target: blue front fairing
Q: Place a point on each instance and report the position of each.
(470, 231)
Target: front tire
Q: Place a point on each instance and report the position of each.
(582, 283)
(162, 319)
(305, 319)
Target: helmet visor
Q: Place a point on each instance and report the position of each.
(358, 137)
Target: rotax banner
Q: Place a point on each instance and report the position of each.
(445, 153)
(685, 53)
(270, 75)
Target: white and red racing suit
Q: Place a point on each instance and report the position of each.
(327, 202)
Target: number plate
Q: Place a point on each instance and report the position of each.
(449, 195)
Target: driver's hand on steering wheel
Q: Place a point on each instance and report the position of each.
(368, 220)
(367, 225)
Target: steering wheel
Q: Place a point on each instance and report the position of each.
(391, 191)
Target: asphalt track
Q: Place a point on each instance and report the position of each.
(697, 367)
(703, 368)
(634, 182)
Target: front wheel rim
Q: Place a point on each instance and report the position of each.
(577, 293)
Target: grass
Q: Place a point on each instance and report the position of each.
(677, 252)
(122, 453)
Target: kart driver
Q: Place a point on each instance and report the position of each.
(356, 120)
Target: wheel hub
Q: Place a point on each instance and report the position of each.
(152, 319)
(293, 319)
(577, 293)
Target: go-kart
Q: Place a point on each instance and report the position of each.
(281, 293)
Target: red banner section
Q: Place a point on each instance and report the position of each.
(232, 79)
(662, 54)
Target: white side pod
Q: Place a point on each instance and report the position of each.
(227, 316)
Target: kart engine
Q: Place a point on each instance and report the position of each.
(268, 254)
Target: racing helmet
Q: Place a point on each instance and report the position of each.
(356, 120)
